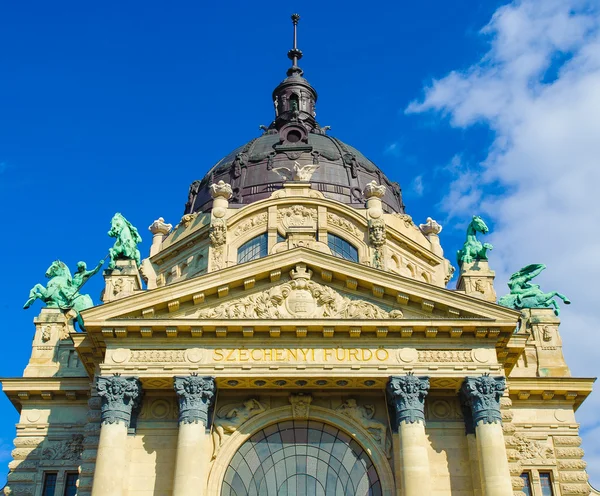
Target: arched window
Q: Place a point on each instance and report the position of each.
(253, 249)
(299, 458)
(341, 248)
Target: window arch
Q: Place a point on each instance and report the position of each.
(253, 249)
(341, 248)
(301, 457)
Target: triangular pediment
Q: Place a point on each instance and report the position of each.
(299, 284)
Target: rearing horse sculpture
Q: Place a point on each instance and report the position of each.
(524, 294)
(128, 237)
(473, 249)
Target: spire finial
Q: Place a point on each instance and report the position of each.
(295, 54)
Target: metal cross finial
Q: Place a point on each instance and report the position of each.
(295, 54)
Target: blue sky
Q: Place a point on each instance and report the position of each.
(473, 107)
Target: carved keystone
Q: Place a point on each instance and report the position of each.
(482, 396)
(120, 397)
(196, 397)
(406, 396)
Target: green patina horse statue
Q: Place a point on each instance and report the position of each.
(61, 292)
(523, 294)
(125, 247)
(473, 249)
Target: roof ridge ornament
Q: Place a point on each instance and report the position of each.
(295, 54)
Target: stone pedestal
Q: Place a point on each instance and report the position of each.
(124, 280)
(477, 279)
(481, 399)
(543, 325)
(50, 342)
(120, 397)
(194, 445)
(406, 396)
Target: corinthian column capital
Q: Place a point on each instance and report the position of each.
(482, 395)
(196, 395)
(406, 395)
(120, 396)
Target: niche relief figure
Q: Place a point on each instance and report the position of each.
(377, 235)
(363, 415)
(230, 417)
(218, 237)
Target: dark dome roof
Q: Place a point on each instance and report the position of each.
(342, 174)
(294, 135)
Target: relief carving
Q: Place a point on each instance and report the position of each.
(70, 449)
(530, 451)
(445, 356)
(218, 238)
(230, 417)
(248, 224)
(157, 356)
(363, 416)
(346, 225)
(297, 216)
(300, 405)
(299, 297)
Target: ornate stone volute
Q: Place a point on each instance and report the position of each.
(482, 395)
(196, 396)
(121, 396)
(406, 396)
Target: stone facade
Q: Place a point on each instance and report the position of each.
(167, 383)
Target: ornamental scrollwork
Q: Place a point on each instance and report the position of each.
(406, 395)
(248, 224)
(120, 397)
(482, 396)
(196, 396)
(297, 216)
(299, 297)
(346, 225)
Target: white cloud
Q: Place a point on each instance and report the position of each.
(538, 89)
(418, 186)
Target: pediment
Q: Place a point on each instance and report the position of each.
(299, 284)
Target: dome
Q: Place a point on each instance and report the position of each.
(294, 137)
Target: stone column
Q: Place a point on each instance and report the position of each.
(194, 446)
(120, 396)
(482, 396)
(406, 395)
(471, 445)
